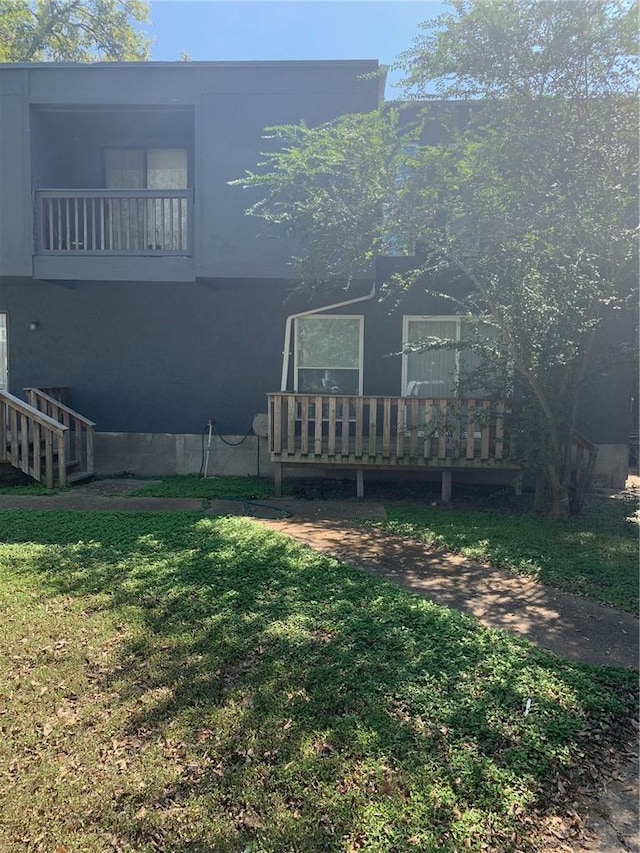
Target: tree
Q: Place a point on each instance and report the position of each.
(528, 202)
(72, 30)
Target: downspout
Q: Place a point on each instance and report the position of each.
(286, 354)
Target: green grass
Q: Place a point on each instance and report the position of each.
(27, 489)
(183, 684)
(595, 555)
(225, 488)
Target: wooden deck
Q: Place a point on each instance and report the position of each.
(388, 432)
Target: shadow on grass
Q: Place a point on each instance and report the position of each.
(595, 555)
(308, 706)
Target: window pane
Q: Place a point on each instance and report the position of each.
(167, 169)
(431, 373)
(315, 381)
(471, 360)
(124, 168)
(328, 342)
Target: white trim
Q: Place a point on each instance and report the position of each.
(358, 317)
(4, 366)
(286, 352)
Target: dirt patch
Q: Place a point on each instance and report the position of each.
(113, 486)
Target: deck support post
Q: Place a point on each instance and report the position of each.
(517, 485)
(446, 487)
(277, 479)
(360, 482)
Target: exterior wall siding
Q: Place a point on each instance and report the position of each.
(164, 357)
(226, 105)
(16, 219)
(149, 357)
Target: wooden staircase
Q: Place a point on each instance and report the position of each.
(45, 439)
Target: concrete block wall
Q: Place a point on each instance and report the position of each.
(162, 454)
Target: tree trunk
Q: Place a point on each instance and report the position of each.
(560, 504)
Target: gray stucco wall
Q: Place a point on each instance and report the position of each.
(15, 184)
(164, 357)
(225, 107)
(161, 357)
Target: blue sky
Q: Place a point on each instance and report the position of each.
(287, 29)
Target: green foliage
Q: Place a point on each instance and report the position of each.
(531, 48)
(595, 555)
(223, 488)
(73, 31)
(224, 689)
(523, 205)
(32, 488)
(328, 186)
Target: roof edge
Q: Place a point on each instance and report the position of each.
(241, 63)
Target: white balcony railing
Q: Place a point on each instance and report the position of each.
(121, 222)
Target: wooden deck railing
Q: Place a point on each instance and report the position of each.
(388, 431)
(32, 441)
(78, 436)
(131, 222)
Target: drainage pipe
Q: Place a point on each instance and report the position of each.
(286, 353)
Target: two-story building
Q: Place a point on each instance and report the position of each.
(135, 291)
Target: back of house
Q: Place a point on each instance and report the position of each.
(136, 294)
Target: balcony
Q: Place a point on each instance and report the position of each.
(145, 234)
(114, 197)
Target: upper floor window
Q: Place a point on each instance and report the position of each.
(328, 354)
(394, 241)
(145, 168)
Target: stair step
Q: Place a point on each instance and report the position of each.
(77, 476)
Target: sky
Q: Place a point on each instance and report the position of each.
(288, 29)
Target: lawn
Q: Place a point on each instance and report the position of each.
(595, 555)
(183, 684)
(221, 488)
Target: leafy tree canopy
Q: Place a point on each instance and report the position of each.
(73, 30)
(524, 193)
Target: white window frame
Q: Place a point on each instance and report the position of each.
(4, 363)
(406, 320)
(360, 318)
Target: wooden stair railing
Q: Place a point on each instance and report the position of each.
(78, 435)
(32, 442)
